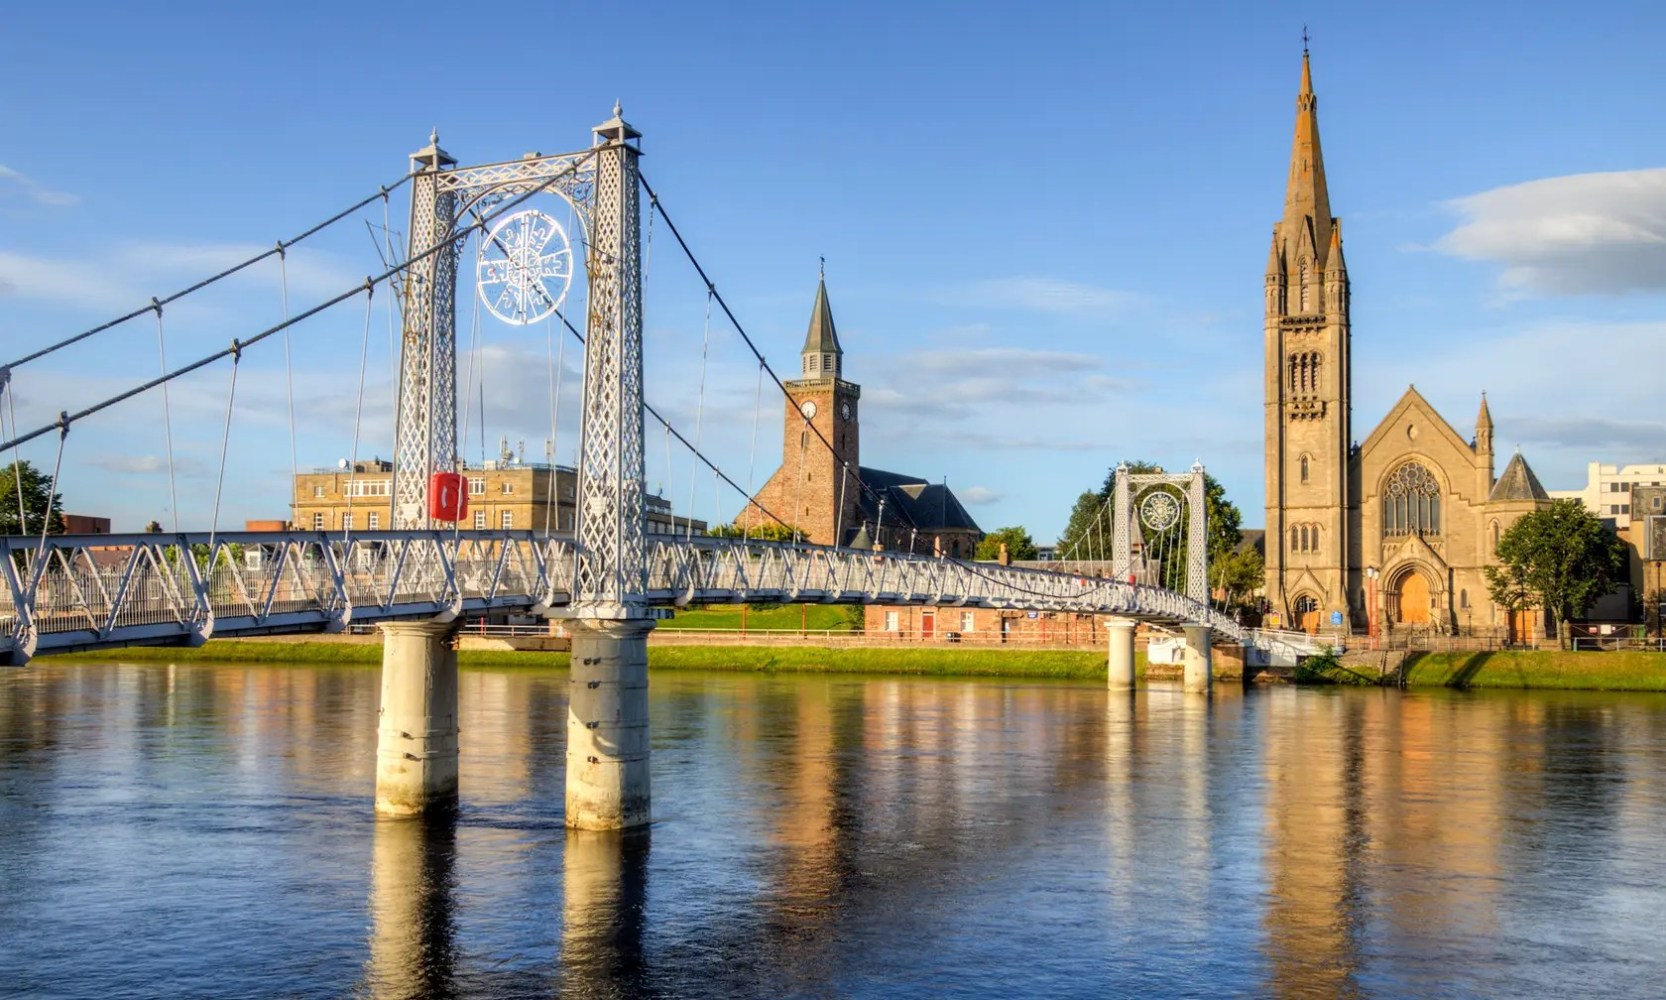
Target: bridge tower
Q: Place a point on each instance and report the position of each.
(607, 724)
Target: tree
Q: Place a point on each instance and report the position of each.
(1559, 556)
(766, 531)
(38, 500)
(1018, 542)
(1237, 574)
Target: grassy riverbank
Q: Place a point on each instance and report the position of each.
(1050, 663)
(1545, 669)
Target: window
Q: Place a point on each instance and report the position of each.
(1495, 536)
(1625, 508)
(566, 521)
(479, 520)
(1301, 271)
(890, 621)
(506, 519)
(1304, 468)
(477, 486)
(1411, 502)
(1654, 504)
(508, 487)
(369, 487)
(1463, 598)
(1295, 540)
(967, 621)
(317, 491)
(347, 522)
(373, 521)
(318, 522)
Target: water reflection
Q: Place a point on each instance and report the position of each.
(605, 887)
(413, 928)
(825, 836)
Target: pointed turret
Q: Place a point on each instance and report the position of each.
(1483, 425)
(1306, 199)
(1333, 256)
(823, 358)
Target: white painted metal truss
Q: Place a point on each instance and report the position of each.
(86, 591)
(89, 591)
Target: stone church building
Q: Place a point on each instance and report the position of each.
(823, 489)
(1390, 533)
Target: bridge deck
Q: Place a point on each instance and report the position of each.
(70, 592)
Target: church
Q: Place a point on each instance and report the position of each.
(1392, 532)
(823, 490)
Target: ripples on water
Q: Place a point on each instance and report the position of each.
(207, 831)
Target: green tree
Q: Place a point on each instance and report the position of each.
(1018, 542)
(1237, 574)
(1560, 557)
(38, 502)
(1087, 535)
(763, 531)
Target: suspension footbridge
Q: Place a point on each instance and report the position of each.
(428, 571)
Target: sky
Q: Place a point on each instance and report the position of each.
(1045, 228)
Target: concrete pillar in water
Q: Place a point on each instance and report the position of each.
(416, 739)
(1199, 672)
(607, 724)
(1119, 673)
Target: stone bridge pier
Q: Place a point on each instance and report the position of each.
(416, 732)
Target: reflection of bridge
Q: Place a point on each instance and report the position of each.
(70, 592)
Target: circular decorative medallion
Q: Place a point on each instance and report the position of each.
(524, 268)
(1159, 511)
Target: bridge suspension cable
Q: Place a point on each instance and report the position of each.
(655, 205)
(157, 303)
(237, 346)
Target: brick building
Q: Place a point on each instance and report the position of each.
(503, 493)
(822, 488)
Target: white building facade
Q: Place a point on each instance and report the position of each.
(1607, 490)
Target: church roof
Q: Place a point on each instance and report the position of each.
(1518, 483)
(822, 337)
(911, 501)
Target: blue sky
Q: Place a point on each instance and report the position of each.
(1045, 226)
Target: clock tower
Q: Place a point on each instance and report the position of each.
(818, 488)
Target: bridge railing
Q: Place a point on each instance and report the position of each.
(73, 590)
(728, 569)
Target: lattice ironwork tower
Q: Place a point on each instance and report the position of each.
(425, 420)
(612, 573)
(1129, 512)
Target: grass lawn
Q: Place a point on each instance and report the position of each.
(1546, 669)
(776, 617)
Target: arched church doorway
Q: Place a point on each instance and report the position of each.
(1411, 599)
(1307, 614)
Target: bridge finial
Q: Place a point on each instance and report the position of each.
(618, 109)
(434, 136)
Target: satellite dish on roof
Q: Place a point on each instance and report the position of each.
(341, 464)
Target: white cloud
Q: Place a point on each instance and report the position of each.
(1046, 295)
(1582, 234)
(148, 465)
(978, 495)
(35, 191)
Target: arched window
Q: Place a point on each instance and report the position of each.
(1301, 270)
(1295, 540)
(1313, 538)
(1411, 502)
(1495, 536)
(1463, 599)
(1303, 530)
(1304, 468)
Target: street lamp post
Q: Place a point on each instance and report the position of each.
(1371, 604)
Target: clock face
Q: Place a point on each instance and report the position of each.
(844, 410)
(808, 409)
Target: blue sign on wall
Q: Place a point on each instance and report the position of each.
(1336, 617)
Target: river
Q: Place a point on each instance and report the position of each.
(206, 831)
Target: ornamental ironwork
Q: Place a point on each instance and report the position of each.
(524, 267)
(1160, 511)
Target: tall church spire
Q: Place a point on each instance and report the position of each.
(822, 355)
(1306, 200)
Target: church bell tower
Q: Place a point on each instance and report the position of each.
(1307, 392)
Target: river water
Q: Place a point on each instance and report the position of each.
(207, 831)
